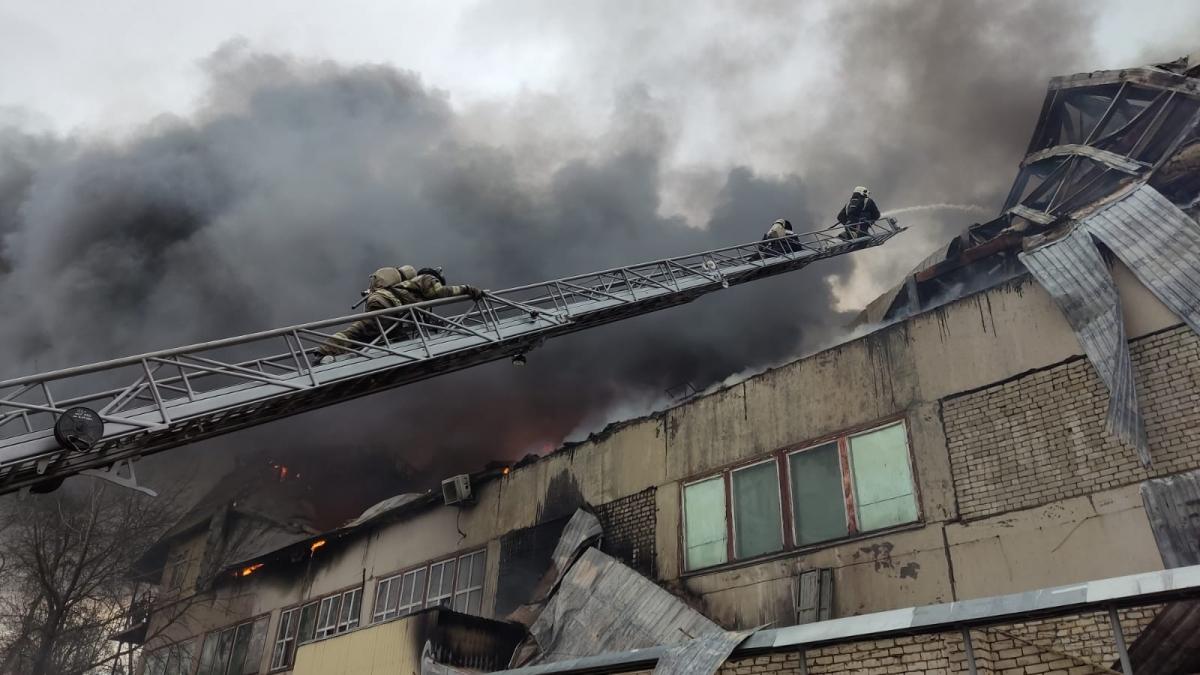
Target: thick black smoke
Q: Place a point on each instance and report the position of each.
(298, 178)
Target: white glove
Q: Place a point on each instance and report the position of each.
(325, 360)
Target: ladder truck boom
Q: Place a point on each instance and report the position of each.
(86, 418)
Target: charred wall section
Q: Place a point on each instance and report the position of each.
(629, 525)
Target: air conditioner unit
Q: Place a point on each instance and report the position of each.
(457, 490)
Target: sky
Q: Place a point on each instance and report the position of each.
(177, 172)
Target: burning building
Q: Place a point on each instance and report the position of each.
(1001, 478)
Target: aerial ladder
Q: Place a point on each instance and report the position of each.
(97, 419)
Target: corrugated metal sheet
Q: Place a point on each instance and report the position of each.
(702, 655)
(1134, 589)
(1173, 508)
(583, 529)
(603, 606)
(1159, 243)
(1073, 272)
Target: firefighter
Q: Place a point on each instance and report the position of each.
(393, 287)
(779, 229)
(858, 214)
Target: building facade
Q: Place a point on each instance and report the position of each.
(964, 450)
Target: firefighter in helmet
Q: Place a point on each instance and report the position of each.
(393, 287)
(858, 214)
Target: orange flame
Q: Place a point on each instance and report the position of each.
(316, 545)
(506, 470)
(247, 571)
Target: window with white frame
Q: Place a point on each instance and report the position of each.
(455, 582)
(468, 588)
(296, 627)
(412, 591)
(856, 483)
(338, 613)
(441, 583)
(236, 650)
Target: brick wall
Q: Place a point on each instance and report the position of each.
(1075, 645)
(629, 524)
(1040, 438)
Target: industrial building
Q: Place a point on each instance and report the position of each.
(1021, 413)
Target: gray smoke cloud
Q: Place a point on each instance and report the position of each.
(296, 178)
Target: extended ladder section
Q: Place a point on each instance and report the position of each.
(165, 399)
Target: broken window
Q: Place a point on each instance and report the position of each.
(704, 523)
(867, 474)
(236, 650)
(883, 486)
(757, 522)
(818, 501)
(468, 589)
(441, 583)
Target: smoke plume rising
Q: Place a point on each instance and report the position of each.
(295, 178)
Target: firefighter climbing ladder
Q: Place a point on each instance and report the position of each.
(140, 405)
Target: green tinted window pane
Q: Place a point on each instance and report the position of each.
(756, 516)
(818, 504)
(308, 623)
(704, 514)
(883, 486)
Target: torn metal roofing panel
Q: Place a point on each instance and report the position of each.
(583, 529)
(601, 606)
(1105, 157)
(1173, 509)
(702, 655)
(384, 507)
(1072, 270)
(1128, 591)
(1159, 243)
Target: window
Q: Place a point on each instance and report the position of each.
(704, 523)
(387, 595)
(285, 639)
(400, 594)
(468, 589)
(175, 572)
(236, 650)
(818, 502)
(412, 591)
(883, 486)
(296, 627)
(441, 583)
(456, 583)
(338, 613)
(757, 520)
(351, 610)
(171, 660)
(850, 485)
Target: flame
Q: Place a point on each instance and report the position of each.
(247, 571)
(505, 470)
(316, 545)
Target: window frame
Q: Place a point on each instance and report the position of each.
(233, 628)
(294, 638)
(471, 587)
(731, 513)
(781, 457)
(421, 599)
(165, 654)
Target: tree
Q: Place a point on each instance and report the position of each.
(65, 583)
